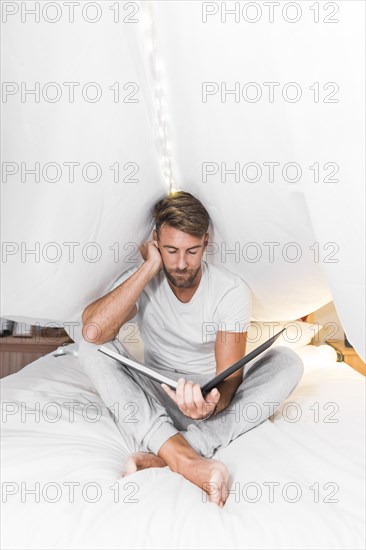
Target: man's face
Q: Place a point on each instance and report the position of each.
(182, 254)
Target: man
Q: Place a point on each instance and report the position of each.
(193, 319)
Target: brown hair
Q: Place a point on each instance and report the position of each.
(182, 211)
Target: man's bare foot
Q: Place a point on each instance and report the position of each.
(141, 461)
(210, 475)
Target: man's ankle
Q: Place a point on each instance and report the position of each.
(176, 450)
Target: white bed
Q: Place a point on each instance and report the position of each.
(319, 457)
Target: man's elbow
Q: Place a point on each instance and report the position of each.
(90, 334)
(98, 334)
(90, 330)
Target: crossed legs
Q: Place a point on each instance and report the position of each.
(158, 434)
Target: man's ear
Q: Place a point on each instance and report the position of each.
(205, 242)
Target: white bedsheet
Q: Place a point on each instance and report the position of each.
(319, 456)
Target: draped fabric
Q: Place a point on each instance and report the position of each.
(257, 111)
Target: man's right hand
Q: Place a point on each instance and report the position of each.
(151, 254)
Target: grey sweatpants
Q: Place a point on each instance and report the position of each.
(147, 417)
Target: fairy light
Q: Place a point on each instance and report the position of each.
(156, 71)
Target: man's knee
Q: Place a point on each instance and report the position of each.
(86, 350)
(91, 358)
(290, 364)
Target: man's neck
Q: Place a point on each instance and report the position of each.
(185, 295)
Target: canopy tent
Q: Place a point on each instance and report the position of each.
(257, 111)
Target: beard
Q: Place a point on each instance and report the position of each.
(185, 279)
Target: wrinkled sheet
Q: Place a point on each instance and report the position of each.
(297, 479)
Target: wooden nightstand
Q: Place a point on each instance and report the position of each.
(17, 351)
(348, 355)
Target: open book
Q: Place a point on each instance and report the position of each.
(208, 386)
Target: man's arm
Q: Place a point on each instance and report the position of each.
(229, 348)
(103, 318)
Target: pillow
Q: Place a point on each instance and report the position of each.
(315, 357)
(297, 334)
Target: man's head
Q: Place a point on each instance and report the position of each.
(181, 223)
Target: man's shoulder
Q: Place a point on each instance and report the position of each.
(221, 275)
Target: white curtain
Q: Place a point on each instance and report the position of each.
(258, 112)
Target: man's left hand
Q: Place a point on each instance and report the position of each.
(188, 397)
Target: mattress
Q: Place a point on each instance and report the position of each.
(297, 479)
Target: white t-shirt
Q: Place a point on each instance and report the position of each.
(182, 336)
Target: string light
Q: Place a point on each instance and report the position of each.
(156, 70)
